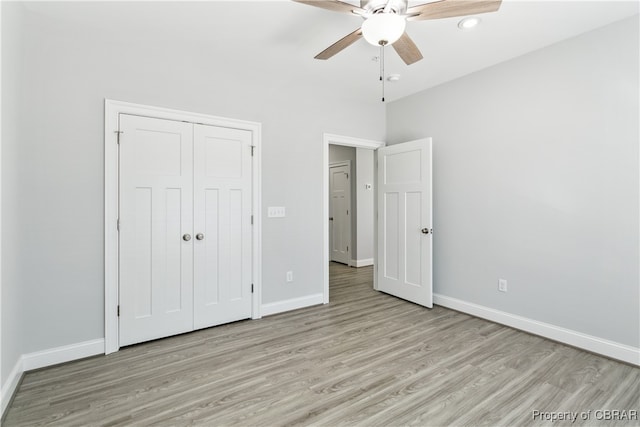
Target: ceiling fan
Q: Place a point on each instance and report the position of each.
(385, 21)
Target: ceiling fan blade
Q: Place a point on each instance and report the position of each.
(451, 8)
(407, 49)
(341, 44)
(334, 5)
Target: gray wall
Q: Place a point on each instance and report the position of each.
(12, 228)
(68, 70)
(365, 208)
(536, 180)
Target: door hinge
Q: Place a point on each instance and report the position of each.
(347, 248)
(252, 288)
(251, 219)
(118, 224)
(252, 148)
(347, 211)
(118, 310)
(118, 132)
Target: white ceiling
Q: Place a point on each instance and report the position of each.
(280, 38)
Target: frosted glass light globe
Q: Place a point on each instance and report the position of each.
(383, 28)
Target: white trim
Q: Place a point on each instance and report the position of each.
(67, 353)
(44, 358)
(291, 304)
(112, 111)
(361, 262)
(11, 385)
(590, 343)
(3, 401)
(348, 141)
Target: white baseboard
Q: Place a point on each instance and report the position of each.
(9, 387)
(291, 304)
(361, 262)
(44, 358)
(602, 346)
(67, 353)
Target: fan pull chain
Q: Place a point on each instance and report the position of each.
(382, 68)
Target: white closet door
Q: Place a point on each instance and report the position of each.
(156, 257)
(222, 225)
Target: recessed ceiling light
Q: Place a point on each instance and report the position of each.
(468, 23)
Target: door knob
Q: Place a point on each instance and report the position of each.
(425, 231)
(200, 236)
(186, 237)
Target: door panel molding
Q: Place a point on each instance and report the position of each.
(113, 109)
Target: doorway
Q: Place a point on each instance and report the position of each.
(366, 185)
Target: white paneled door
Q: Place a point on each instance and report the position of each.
(405, 221)
(340, 217)
(222, 247)
(184, 227)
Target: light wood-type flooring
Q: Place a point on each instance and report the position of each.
(366, 359)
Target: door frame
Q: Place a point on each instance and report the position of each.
(346, 163)
(112, 110)
(348, 141)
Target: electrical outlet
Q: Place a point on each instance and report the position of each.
(289, 276)
(502, 285)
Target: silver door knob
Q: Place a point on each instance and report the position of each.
(200, 236)
(186, 237)
(425, 231)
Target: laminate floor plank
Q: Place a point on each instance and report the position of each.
(367, 358)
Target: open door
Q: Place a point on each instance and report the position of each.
(405, 221)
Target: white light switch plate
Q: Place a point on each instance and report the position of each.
(276, 212)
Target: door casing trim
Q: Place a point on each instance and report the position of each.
(112, 110)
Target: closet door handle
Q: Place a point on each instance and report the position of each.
(186, 237)
(200, 236)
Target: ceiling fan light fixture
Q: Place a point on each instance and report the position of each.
(468, 23)
(383, 28)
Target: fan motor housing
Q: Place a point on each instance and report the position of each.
(377, 6)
